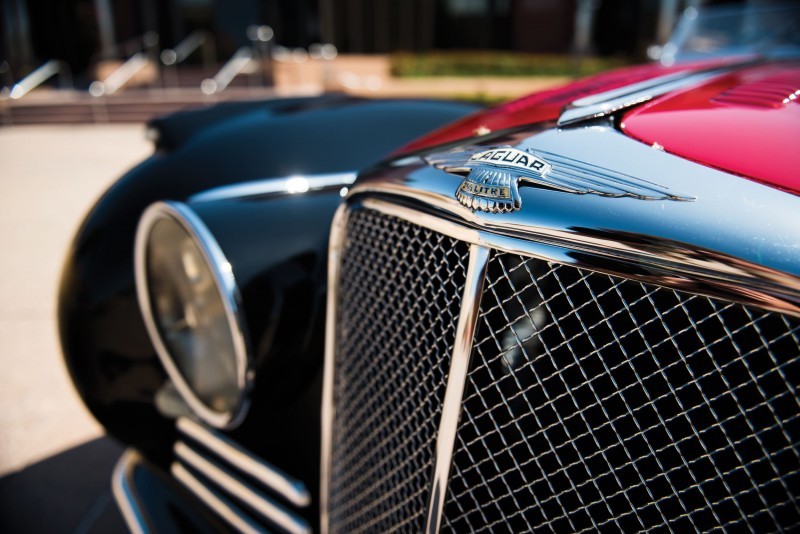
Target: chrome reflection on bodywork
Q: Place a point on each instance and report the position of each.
(290, 185)
(222, 480)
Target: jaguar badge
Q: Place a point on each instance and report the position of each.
(492, 178)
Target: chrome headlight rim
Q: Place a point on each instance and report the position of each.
(229, 294)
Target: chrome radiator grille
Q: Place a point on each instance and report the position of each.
(591, 402)
(598, 402)
(399, 299)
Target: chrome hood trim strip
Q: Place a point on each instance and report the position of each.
(738, 239)
(279, 186)
(606, 103)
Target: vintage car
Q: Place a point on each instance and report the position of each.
(577, 311)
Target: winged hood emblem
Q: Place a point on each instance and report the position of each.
(493, 175)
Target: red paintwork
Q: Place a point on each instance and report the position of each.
(546, 105)
(739, 123)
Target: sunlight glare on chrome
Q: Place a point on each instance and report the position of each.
(297, 184)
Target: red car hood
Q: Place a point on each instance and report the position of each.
(547, 105)
(746, 122)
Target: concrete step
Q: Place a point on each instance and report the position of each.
(134, 105)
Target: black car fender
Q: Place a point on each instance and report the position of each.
(106, 347)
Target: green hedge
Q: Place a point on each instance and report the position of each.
(481, 99)
(496, 64)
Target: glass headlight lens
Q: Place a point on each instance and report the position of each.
(188, 300)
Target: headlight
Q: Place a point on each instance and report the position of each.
(190, 305)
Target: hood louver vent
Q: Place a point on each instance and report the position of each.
(771, 92)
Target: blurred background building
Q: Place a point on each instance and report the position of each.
(82, 33)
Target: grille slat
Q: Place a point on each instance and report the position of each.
(595, 401)
(398, 306)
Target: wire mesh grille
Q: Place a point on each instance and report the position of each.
(400, 294)
(595, 402)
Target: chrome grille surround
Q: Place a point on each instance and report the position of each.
(640, 245)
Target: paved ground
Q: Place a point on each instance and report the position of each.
(55, 462)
